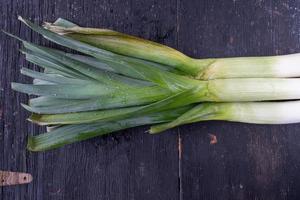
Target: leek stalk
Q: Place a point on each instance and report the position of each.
(204, 69)
(248, 112)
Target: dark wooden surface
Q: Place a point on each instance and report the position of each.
(248, 161)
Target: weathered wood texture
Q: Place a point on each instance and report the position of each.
(248, 162)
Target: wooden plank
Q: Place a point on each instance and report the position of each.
(129, 165)
(13, 155)
(248, 161)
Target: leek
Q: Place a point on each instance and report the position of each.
(251, 112)
(211, 68)
(165, 83)
(122, 81)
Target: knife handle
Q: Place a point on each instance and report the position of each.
(14, 178)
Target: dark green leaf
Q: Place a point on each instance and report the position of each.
(74, 133)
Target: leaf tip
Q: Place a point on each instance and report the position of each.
(14, 85)
(11, 35)
(31, 144)
(152, 131)
(159, 128)
(20, 18)
(26, 107)
(36, 118)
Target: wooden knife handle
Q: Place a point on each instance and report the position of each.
(14, 178)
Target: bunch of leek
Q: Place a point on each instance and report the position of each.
(120, 81)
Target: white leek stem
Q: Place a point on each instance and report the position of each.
(248, 112)
(250, 89)
(265, 112)
(250, 67)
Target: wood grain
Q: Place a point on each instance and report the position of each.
(247, 162)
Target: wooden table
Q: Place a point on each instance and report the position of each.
(247, 162)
